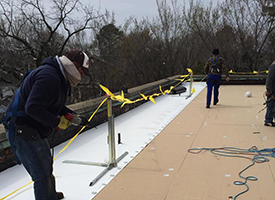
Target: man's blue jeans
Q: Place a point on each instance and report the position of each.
(36, 157)
(213, 81)
(269, 112)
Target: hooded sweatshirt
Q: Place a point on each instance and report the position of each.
(43, 96)
(270, 80)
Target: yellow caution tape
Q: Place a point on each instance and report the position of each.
(124, 100)
(16, 190)
(243, 73)
(121, 98)
(80, 129)
(62, 149)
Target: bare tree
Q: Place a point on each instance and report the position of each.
(42, 27)
(268, 7)
(252, 28)
(204, 22)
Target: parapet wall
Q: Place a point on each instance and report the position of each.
(86, 109)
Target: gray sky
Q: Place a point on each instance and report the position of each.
(138, 8)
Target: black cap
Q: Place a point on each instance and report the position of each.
(81, 58)
(215, 51)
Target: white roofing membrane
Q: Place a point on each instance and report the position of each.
(138, 127)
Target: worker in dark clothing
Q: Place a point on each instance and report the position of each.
(270, 92)
(214, 67)
(37, 110)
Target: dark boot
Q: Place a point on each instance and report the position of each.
(215, 103)
(59, 195)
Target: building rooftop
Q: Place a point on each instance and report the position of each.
(158, 165)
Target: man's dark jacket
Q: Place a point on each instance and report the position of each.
(270, 80)
(43, 96)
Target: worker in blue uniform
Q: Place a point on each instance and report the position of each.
(214, 67)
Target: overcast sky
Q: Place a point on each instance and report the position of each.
(138, 8)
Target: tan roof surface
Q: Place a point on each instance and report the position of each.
(165, 170)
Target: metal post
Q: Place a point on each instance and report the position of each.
(111, 134)
(112, 149)
(190, 85)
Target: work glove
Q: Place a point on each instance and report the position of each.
(77, 120)
(64, 123)
(85, 121)
(268, 94)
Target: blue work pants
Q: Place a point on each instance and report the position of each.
(36, 157)
(213, 81)
(270, 114)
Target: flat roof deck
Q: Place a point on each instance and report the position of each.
(159, 166)
(165, 170)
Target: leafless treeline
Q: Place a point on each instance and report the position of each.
(180, 37)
